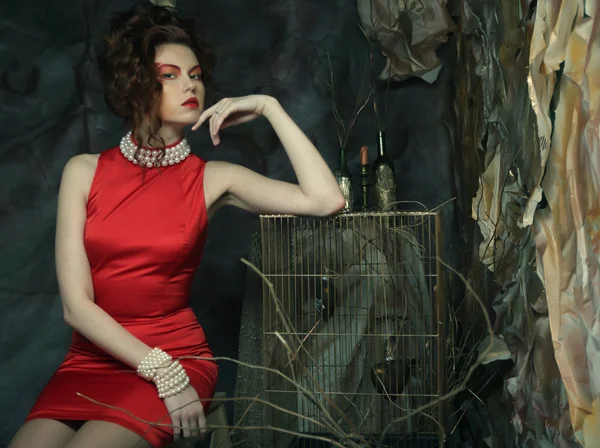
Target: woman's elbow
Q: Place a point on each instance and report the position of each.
(333, 204)
(68, 316)
(70, 313)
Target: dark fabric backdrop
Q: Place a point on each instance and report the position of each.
(51, 107)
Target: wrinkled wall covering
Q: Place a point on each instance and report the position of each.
(497, 136)
(531, 125)
(565, 69)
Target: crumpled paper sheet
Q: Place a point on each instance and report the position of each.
(494, 210)
(409, 32)
(166, 3)
(498, 130)
(567, 234)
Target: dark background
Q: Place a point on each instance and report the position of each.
(51, 108)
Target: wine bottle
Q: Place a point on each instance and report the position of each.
(364, 177)
(344, 179)
(384, 180)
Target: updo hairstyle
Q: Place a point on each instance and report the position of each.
(126, 62)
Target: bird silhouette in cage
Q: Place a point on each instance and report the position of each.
(390, 376)
(315, 300)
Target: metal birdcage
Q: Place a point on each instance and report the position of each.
(352, 328)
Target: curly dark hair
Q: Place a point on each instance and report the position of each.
(126, 62)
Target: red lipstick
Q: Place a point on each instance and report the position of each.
(191, 103)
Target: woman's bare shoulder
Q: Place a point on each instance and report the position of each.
(79, 170)
(81, 165)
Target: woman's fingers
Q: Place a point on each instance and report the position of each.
(202, 426)
(200, 120)
(187, 428)
(206, 114)
(222, 116)
(190, 426)
(176, 428)
(211, 128)
(218, 119)
(195, 426)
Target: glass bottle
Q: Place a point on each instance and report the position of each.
(384, 180)
(344, 179)
(364, 177)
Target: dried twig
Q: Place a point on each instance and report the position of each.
(467, 377)
(328, 424)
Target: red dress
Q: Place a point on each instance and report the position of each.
(144, 237)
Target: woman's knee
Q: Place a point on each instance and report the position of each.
(43, 433)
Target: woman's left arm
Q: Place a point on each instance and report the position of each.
(317, 192)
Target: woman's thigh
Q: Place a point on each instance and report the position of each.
(97, 434)
(43, 433)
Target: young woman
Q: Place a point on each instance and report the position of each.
(131, 227)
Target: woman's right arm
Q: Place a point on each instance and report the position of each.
(73, 269)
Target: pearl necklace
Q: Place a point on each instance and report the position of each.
(148, 157)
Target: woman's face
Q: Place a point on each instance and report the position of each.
(182, 99)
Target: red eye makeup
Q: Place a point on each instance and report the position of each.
(174, 69)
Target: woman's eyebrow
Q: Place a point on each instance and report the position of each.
(158, 65)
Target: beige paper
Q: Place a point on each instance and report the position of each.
(568, 232)
(408, 32)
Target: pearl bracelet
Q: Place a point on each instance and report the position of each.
(152, 362)
(172, 380)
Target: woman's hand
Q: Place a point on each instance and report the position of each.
(187, 413)
(230, 111)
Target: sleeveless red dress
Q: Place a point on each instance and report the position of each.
(144, 237)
